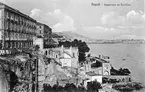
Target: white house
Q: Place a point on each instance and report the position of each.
(91, 76)
(67, 56)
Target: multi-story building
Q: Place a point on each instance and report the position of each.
(16, 29)
(45, 32)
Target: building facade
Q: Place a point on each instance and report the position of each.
(94, 69)
(16, 29)
(45, 32)
(99, 66)
(67, 56)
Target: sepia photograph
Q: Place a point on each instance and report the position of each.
(72, 45)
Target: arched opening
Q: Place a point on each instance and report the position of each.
(13, 80)
(106, 73)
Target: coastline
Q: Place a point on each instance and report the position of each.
(125, 52)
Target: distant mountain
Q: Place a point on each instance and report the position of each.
(70, 36)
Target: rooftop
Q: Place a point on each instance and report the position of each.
(2, 5)
(92, 74)
(99, 59)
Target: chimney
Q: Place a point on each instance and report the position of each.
(70, 48)
(62, 47)
(99, 56)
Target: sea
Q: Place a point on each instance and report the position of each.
(131, 56)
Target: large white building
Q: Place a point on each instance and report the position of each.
(67, 56)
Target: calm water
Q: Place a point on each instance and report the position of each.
(131, 56)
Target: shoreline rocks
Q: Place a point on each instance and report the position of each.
(127, 86)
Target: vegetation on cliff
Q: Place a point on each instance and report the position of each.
(121, 71)
(92, 86)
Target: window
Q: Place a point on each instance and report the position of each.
(12, 17)
(23, 36)
(20, 45)
(16, 18)
(24, 22)
(7, 24)
(15, 45)
(7, 15)
(24, 45)
(11, 44)
(20, 20)
(10, 26)
(49, 52)
(15, 36)
(14, 27)
(27, 36)
(73, 54)
(6, 45)
(6, 35)
(11, 36)
(45, 52)
(31, 44)
(1, 13)
(20, 36)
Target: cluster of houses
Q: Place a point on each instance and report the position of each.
(19, 31)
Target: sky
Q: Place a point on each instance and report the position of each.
(87, 17)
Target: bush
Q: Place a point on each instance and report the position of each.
(46, 88)
(69, 87)
(121, 71)
(93, 86)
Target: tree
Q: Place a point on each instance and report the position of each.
(121, 71)
(113, 71)
(126, 71)
(69, 86)
(94, 86)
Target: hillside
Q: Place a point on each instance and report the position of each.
(67, 35)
